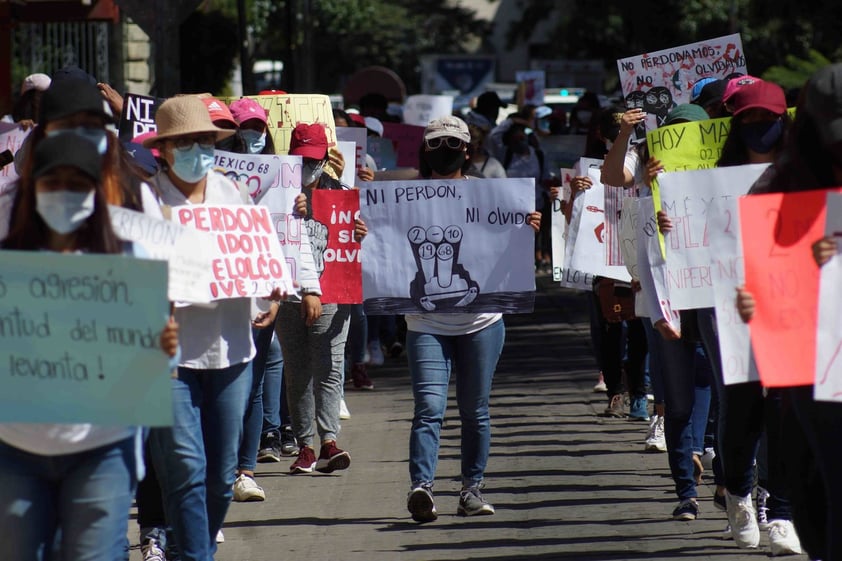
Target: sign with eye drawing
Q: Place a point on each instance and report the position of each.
(448, 246)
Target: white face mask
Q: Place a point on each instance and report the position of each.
(64, 211)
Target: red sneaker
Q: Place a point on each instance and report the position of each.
(332, 458)
(359, 375)
(305, 462)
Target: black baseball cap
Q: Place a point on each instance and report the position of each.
(66, 97)
(711, 93)
(67, 150)
(490, 100)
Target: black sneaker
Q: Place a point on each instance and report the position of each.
(270, 448)
(289, 447)
(420, 504)
(688, 509)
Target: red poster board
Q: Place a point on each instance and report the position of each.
(778, 231)
(341, 276)
(407, 140)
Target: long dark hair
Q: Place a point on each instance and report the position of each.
(28, 231)
(735, 151)
(804, 163)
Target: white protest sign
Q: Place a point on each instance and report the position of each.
(257, 172)
(567, 277)
(687, 197)
(726, 247)
(652, 269)
(349, 153)
(420, 109)
(613, 205)
(280, 200)
(80, 339)
(629, 221)
(247, 260)
(359, 136)
(11, 139)
(828, 386)
(588, 217)
(656, 82)
(448, 246)
(186, 251)
(532, 84)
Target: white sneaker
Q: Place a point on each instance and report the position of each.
(375, 354)
(343, 410)
(743, 520)
(219, 537)
(600, 386)
(246, 490)
(655, 439)
(151, 552)
(783, 540)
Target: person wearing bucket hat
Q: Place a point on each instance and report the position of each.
(811, 159)
(469, 343)
(213, 383)
(75, 482)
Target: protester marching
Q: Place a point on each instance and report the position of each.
(193, 284)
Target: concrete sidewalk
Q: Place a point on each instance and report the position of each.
(566, 483)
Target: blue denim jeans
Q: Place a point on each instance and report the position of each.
(656, 371)
(687, 393)
(85, 497)
(431, 359)
(196, 458)
(267, 371)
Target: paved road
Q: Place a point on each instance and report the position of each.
(566, 483)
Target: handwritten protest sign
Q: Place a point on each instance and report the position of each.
(420, 109)
(657, 82)
(357, 135)
(138, 115)
(613, 205)
(340, 262)
(629, 221)
(11, 139)
(280, 200)
(531, 85)
(726, 246)
(687, 198)
(407, 141)
(654, 297)
(80, 340)
(586, 237)
(828, 386)
(448, 246)
(349, 154)
(247, 260)
(383, 152)
(567, 277)
(257, 172)
(778, 231)
(288, 110)
(185, 250)
(688, 146)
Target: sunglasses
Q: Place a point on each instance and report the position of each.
(205, 141)
(451, 142)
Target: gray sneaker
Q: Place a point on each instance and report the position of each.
(471, 503)
(420, 504)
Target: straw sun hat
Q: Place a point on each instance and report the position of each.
(181, 116)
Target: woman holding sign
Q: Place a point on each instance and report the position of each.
(72, 480)
(435, 342)
(196, 459)
(811, 159)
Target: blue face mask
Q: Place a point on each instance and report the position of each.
(98, 136)
(762, 137)
(192, 164)
(255, 141)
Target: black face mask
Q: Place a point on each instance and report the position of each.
(444, 160)
(226, 144)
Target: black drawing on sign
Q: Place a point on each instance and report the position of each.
(657, 101)
(318, 242)
(441, 282)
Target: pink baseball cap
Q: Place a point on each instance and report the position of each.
(246, 109)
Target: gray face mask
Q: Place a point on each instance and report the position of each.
(311, 172)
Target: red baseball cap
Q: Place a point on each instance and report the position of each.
(760, 93)
(308, 141)
(219, 112)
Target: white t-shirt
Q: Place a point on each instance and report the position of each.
(450, 324)
(218, 335)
